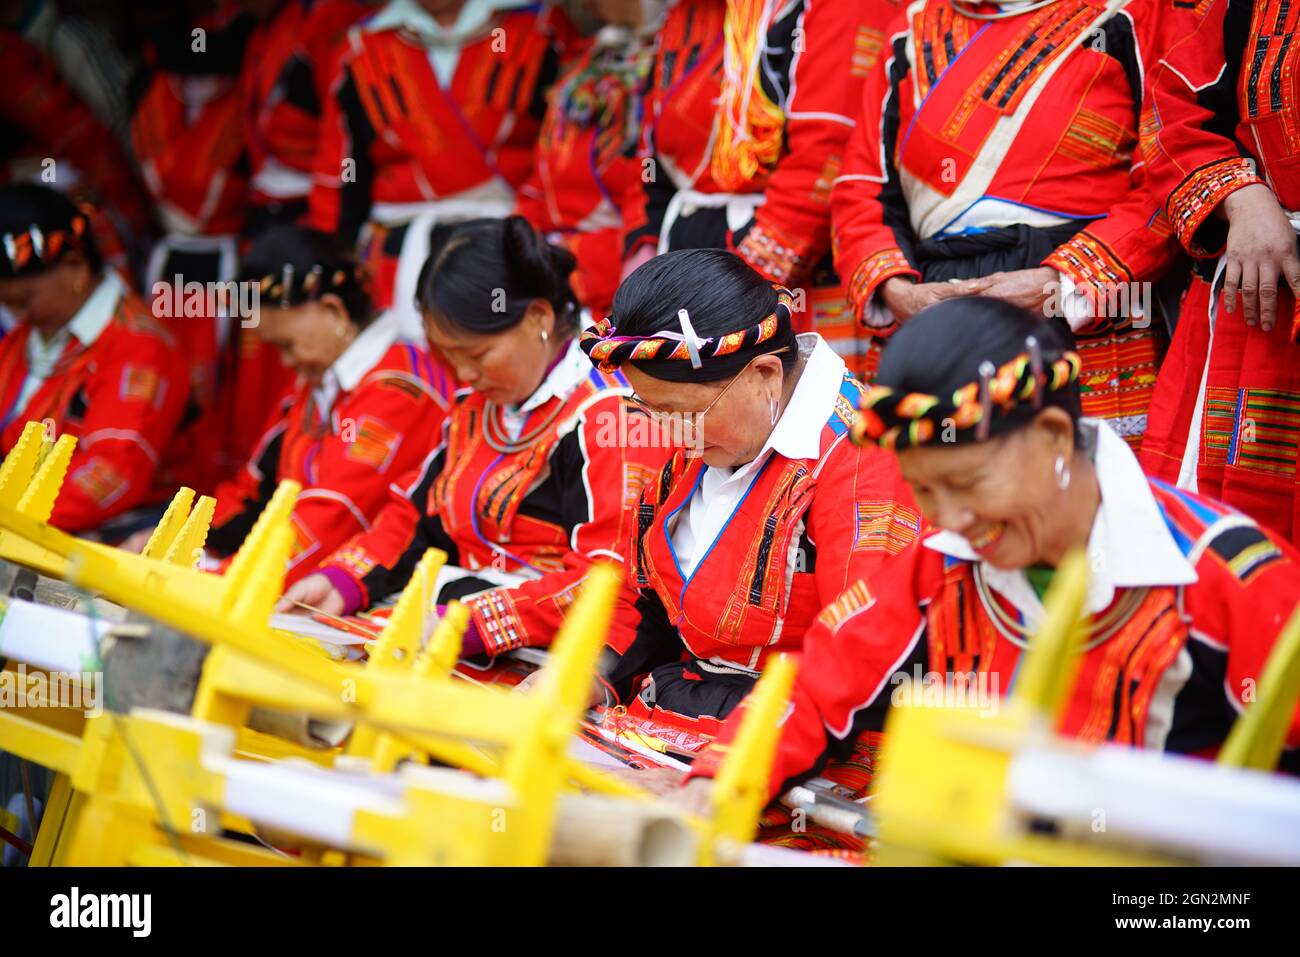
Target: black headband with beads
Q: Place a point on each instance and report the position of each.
(35, 249)
(1003, 398)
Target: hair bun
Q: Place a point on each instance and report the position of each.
(540, 267)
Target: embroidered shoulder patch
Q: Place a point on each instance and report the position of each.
(1246, 550)
(139, 383)
(884, 526)
(101, 483)
(374, 444)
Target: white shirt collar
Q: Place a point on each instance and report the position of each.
(361, 356)
(798, 432)
(97, 311)
(408, 14)
(1130, 545)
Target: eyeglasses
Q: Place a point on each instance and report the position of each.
(664, 413)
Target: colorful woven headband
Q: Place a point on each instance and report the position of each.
(35, 247)
(901, 420)
(608, 350)
(313, 285)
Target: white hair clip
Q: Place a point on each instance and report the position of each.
(987, 372)
(1036, 366)
(689, 337)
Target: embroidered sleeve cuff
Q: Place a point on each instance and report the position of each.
(493, 616)
(346, 571)
(1086, 261)
(775, 256)
(1194, 201)
(866, 279)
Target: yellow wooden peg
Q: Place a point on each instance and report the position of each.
(38, 501)
(164, 533)
(20, 464)
(740, 786)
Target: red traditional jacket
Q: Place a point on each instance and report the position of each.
(584, 172)
(1167, 667)
(544, 512)
(817, 54)
(122, 396)
(44, 118)
(388, 410)
(1038, 112)
(410, 141)
(1225, 113)
(285, 81)
(192, 154)
(804, 529)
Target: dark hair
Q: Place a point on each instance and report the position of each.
(721, 293)
(318, 266)
(489, 270)
(39, 226)
(941, 348)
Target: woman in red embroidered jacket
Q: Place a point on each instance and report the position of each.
(284, 83)
(87, 358)
(1226, 412)
(366, 411)
(583, 167)
(431, 121)
(998, 144)
(767, 513)
(747, 111)
(979, 400)
(538, 463)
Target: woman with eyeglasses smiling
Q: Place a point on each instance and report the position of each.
(744, 536)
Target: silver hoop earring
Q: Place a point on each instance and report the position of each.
(1062, 473)
(773, 410)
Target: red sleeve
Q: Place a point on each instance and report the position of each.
(337, 142)
(1194, 160)
(859, 642)
(135, 400)
(862, 514)
(791, 230)
(1248, 587)
(872, 230)
(386, 428)
(609, 479)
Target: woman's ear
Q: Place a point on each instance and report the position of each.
(334, 309)
(542, 315)
(1057, 428)
(770, 369)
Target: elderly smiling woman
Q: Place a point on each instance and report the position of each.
(979, 402)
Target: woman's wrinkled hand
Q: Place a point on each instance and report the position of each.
(1261, 253)
(905, 298)
(1027, 288)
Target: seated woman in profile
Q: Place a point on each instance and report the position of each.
(531, 480)
(365, 411)
(742, 538)
(89, 360)
(979, 402)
